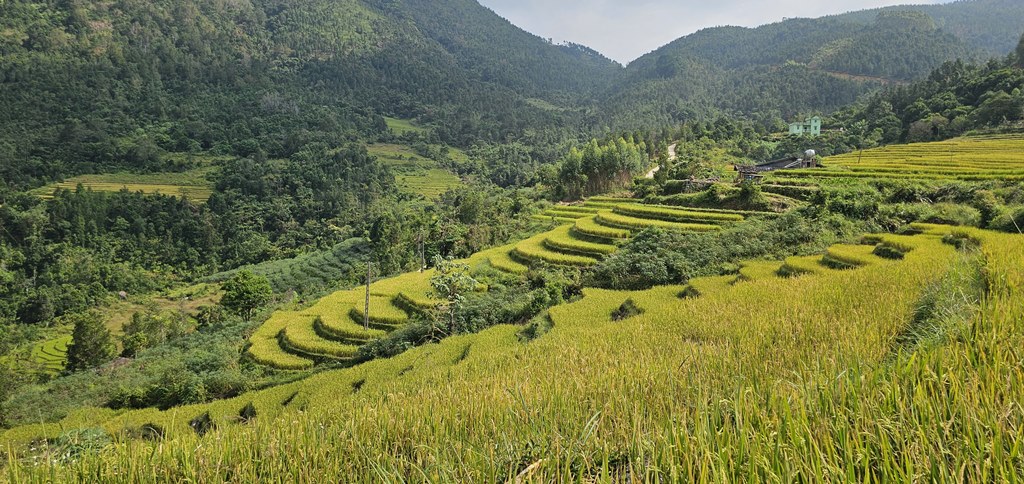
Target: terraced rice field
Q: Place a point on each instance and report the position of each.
(536, 249)
(752, 375)
(969, 159)
(592, 230)
(611, 218)
(415, 173)
(431, 183)
(189, 184)
(52, 354)
(332, 330)
(562, 239)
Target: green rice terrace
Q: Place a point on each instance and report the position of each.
(788, 369)
(52, 354)
(403, 126)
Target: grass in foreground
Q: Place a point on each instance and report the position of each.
(769, 380)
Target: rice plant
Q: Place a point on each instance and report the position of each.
(562, 240)
(768, 380)
(614, 220)
(676, 215)
(535, 250)
(968, 159)
(589, 227)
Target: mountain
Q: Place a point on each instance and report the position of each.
(100, 86)
(803, 65)
(108, 83)
(991, 26)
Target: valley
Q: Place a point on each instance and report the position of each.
(410, 241)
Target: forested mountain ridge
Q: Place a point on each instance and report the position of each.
(112, 83)
(991, 26)
(783, 69)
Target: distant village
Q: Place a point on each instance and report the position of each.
(808, 127)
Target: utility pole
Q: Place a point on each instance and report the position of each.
(366, 307)
(423, 257)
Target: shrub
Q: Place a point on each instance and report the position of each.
(1009, 219)
(627, 310)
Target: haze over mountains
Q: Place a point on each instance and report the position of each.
(96, 83)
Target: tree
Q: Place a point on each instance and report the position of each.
(451, 283)
(245, 292)
(1020, 52)
(149, 329)
(91, 343)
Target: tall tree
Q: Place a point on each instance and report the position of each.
(91, 343)
(1020, 52)
(245, 292)
(452, 281)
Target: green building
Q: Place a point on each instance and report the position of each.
(811, 126)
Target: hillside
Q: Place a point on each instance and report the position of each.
(993, 26)
(807, 65)
(574, 391)
(93, 85)
(407, 241)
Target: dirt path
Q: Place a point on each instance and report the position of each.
(671, 157)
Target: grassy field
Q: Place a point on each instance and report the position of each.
(415, 173)
(402, 126)
(431, 183)
(969, 159)
(194, 183)
(755, 379)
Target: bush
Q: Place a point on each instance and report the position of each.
(73, 444)
(660, 257)
(899, 215)
(1009, 219)
(860, 203)
(245, 292)
(627, 310)
(91, 344)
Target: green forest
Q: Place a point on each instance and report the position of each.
(219, 217)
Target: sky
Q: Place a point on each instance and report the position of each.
(625, 30)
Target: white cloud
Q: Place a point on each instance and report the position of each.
(626, 30)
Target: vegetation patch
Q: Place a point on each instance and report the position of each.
(589, 227)
(758, 270)
(627, 310)
(798, 266)
(848, 256)
(403, 126)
